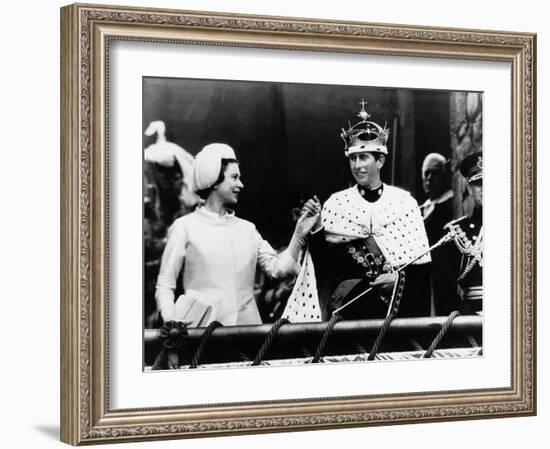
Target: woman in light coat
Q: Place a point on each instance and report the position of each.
(219, 252)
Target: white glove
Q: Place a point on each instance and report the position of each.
(309, 218)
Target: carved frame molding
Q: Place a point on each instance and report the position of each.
(86, 33)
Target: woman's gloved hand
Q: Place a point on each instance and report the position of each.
(310, 217)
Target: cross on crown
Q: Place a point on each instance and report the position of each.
(365, 135)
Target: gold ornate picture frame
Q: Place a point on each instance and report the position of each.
(87, 33)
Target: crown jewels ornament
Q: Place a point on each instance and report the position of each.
(365, 135)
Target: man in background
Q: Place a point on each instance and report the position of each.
(470, 241)
(437, 211)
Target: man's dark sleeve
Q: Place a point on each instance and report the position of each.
(331, 260)
(330, 265)
(318, 249)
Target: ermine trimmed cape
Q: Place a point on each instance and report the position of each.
(395, 222)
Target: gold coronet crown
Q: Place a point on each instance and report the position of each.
(365, 135)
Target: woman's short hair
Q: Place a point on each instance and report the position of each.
(221, 176)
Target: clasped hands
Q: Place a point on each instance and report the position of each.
(310, 217)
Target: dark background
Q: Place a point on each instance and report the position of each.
(287, 136)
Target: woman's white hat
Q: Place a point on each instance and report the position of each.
(208, 162)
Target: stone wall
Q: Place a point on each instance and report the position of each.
(466, 128)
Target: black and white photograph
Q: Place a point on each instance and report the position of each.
(295, 224)
(279, 221)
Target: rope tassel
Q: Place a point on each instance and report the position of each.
(392, 312)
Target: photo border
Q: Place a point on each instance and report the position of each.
(86, 31)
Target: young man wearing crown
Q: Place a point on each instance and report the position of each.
(371, 243)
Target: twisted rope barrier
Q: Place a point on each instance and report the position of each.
(268, 340)
(195, 361)
(446, 326)
(326, 335)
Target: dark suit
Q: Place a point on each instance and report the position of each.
(445, 263)
(334, 265)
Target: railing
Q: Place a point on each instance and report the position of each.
(290, 341)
